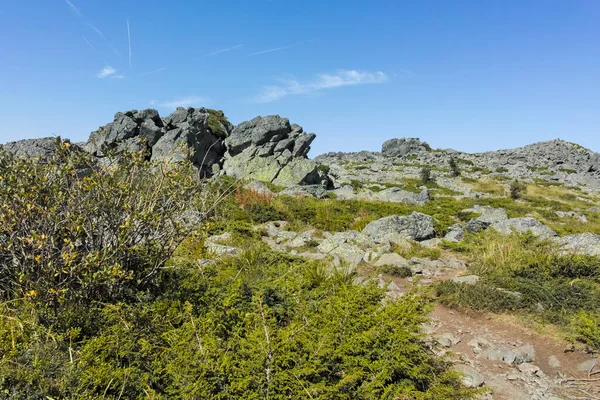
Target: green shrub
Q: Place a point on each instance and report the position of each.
(425, 175)
(453, 165)
(394, 270)
(517, 189)
(72, 232)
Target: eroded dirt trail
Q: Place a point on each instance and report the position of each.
(514, 361)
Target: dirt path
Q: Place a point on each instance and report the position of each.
(480, 339)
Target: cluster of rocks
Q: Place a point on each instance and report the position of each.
(552, 161)
(266, 148)
(271, 149)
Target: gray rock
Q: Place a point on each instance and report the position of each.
(302, 239)
(524, 354)
(446, 339)
(471, 378)
(397, 195)
(345, 245)
(584, 243)
(528, 369)
(475, 225)
(467, 280)
(522, 225)
(194, 134)
(43, 148)
(553, 362)
(403, 146)
(455, 233)
(416, 226)
(271, 150)
(220, 250)
(391, 259)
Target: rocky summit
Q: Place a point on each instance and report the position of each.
(357, 237)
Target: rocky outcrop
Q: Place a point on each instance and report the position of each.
(403, 147)
(271, 149)
(193, 133)
(415, 226)
(42, 148)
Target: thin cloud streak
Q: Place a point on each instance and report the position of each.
(75, 9)
(267, 51)
(321, 83)
(106, 72)
(187, 101)
(129, 41)
(156, 71)
(214, 53)
(88, 43)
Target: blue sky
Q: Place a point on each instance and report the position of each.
(468, 74)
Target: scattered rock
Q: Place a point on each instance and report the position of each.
(528, 369)
(471, 378)
(455, 233)
(416, 226)
(318, 191)
(391, 259)
(522, 225)
(553, 362)
(397, 195)
(220, 250)
(584, 243)
(446, 339)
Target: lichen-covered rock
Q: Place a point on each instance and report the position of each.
(270, 149)
(455, 233)
(416, 226)
(403, 146)
(583, 243)
(522, 225)
(397, 195)
(194, 134)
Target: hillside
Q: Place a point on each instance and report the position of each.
(185, 257)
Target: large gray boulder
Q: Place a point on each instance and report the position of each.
(488, 216)
(583, 243)
(522, 225)
(42, 148)
(271, 149)
(403, 147)
(416, 226)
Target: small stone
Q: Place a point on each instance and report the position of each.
(467, 280)
(527, 368)
(471, 378)
(553, 362)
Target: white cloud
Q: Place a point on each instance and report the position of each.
(214, 53)
(118, 77)
(322, 82)
(106, 72)
(187, 101)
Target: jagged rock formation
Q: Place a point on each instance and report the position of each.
(42, 148)
(194, 133)
(270, 149)
(403, 147)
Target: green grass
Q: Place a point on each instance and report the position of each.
(216, 122)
